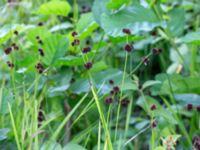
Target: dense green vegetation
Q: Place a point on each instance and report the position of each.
(99, 74)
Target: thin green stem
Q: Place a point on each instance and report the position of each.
(102, 117)
(14, 127)
(122, 86)
(128, 116)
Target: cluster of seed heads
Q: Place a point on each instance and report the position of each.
(196, 142)
(88, 65)
(124, 102)
(157, 51)
(86, 50)
(76, 41)
(15, 47)
(128, 47)
(39, 40)
(39, 67)
(126, 31)
(145, 61)
(115, 90)
(41, 52)
(8, 50)
(10, 65)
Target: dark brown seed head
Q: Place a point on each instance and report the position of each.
(13, 44)
(41, 51)
(76, 42)
(111, 82)
(153, 33)
(8, 50)
(108, 100)
(37, 37)
(156, 51)
(16, 32)
(145, 61)
(40, 71)
(116, 89)
(39, 67)
(153, 124)
(86, 50)
(198, 108)
(160, 50)
(16, 48)
(196, 142)
(88, 65)
(40, 42)
(125, 102)
(74, 34)
(189, 107)
(128, 47)
(126, 31)
(73, 44)
(40, 24)
(11, 65)
(112, 92)
(87, 42)
(153, 107)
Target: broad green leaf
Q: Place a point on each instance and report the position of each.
(115, 4)
(6, 31)
(61, 26)
(99, 7)
(99, 66)
(188, 98)
(136, 18)
(150, 83)
(6, 97)
(62, 83)
(61, 8)
(86, 25)
(42, 32)
(3, 133)
(179, 85)
(55, 46)
(166, 115)
(71, 61)
(192, 37)
(83, 85)
(176, 22)
(51, 146)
